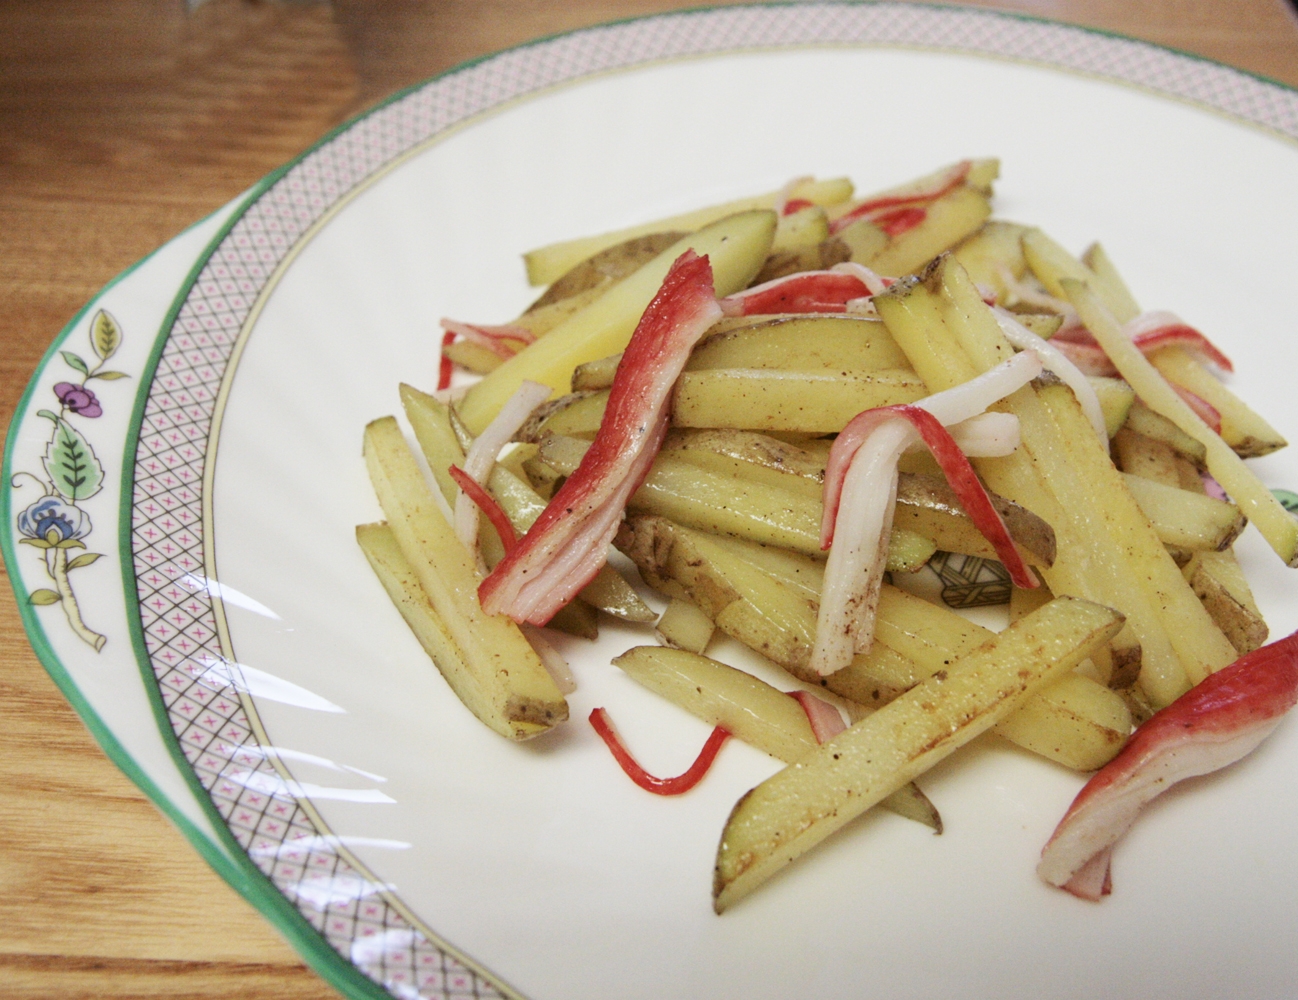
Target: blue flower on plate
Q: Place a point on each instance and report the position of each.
(52, 513)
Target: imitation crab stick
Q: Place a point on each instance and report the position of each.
(860, 495)
(568, 543)
(1210, 726)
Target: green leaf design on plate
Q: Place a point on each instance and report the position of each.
(105, 335)
(1288, 500)
(39, 543)
(110, 376)
(42, 597)
(74, 360)
(85, 559)
(71, 464)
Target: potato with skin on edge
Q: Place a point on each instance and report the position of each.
(735, 246)
(794, 810)
(492, 646)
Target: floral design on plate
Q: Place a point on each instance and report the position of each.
(56, 524)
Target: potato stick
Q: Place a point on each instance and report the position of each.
(800, 230)
(1145, 421)
(1092, 560)
(1219, 583)
(595, 375)
(578, 414)
(996, 245)
(472, 357)
(1116, 400)
(1278, 526)
(736, 247)
(1197, 641)
(394, 572)
(582, 283)
(1112, 289)
(684, 626)
(947, 221)
(483, 694)
(1052, 264)
(749, 709)
(1183, 519)
(801, 343)
(1146, 457)
(914, 639)
(1067, 712)
(491, 645)
(803, 804)
(547, 263)
(431, 421)
(1245, 431)
(810, 402)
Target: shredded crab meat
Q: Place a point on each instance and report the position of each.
(860, 497)
(551, 659)
(803, 292)
(568, 543)
(785, 203)
(987, 435)
(503, 341)
(1018, 290)
(1153, 331)
(873, 282)
(1058, 362)
(825, 719)
(895, 213)
(1205, 411)
(1212, 725)
(481, 457)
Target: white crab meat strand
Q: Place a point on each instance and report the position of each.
(1055, 360)
(481, 457)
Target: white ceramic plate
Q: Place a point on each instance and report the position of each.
(395, 840)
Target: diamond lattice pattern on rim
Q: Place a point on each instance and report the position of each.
(353, 910)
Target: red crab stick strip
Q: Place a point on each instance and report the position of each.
(860, 493)
(445, 367)
(1210, 726)
(952, 406)
(804, 292)
(659, 786)
(1150, 332)
(959, 473)
(894, 206)
(487, 504)
(1154, 330)
(568, 543)
(502, 341)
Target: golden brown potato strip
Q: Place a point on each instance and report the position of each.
(807, 402)
(604, 268)
(803, 804)
(845, 344)
(523, 692)
(749, 709)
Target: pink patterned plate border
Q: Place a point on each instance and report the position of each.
(363, 927)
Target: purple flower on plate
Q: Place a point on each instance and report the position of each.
(78, 399)
(53, 513)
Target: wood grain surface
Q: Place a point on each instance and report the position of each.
(120, 124)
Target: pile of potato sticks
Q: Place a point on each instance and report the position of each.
(1143, 597)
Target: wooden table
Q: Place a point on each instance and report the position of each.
(120, 124)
